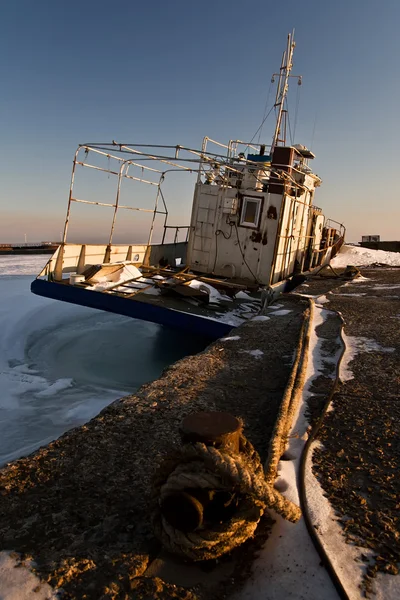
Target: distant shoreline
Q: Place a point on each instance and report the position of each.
(11, 250)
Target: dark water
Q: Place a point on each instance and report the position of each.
(60, 364)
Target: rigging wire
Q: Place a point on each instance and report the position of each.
(242, 253)
(262, 123)
(296, 111)
(313, 131)
(265, 111)
(289, 126)
(226, 236)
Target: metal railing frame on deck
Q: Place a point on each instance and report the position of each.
(199, 162)
(223, 162)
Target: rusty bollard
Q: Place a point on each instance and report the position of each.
(187, 510)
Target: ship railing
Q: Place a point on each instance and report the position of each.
(28, 245)
(235, 147)
(129, 163)
(176, 229)
(332, 224)
(146, 164)
(76, 258)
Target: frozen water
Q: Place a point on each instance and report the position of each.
(61, 364)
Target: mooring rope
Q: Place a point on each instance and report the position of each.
(197, 466)
(208, 468)
(291, 398)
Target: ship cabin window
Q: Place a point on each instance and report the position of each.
(251, 210)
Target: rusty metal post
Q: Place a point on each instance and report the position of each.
(218, 429)
(185, 509)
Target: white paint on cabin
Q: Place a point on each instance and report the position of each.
(260, 229)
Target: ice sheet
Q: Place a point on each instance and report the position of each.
(61, 364)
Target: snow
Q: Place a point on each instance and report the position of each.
(363, 257)
(255, 353)
(215, 295)
(288, 566)
(358, 279)
(260, 318)
(238, 315)
(321, 300)
(232, 337)
(127, 272)
(350, 295)
(19, 583)
(281, 313)
(243, 296)
(344, 557)
(383, 286)
(282, 572)
(354, 345)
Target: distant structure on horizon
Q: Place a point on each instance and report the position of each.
(370, 238)
(38, 248)
(373, 242)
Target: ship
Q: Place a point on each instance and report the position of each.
(254, 227)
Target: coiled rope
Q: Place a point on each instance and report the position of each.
(198, 466)
(205, 467)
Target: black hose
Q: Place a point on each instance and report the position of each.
(302, 491)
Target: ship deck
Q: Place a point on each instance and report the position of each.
(164, 296)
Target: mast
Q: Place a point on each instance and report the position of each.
(282, 89)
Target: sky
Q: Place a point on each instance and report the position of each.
(171, 73)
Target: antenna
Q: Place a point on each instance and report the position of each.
(282, 90)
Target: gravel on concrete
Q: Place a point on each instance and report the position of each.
(79, 506)
(359, 463)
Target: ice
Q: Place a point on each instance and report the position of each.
(260, 318)
(57, 386)
(23, 264)
(60, 364)
(231, 338)
(363, 257)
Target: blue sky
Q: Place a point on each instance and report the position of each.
(172, 72)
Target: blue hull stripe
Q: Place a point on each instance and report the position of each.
(130, 308)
